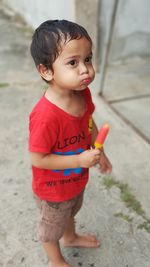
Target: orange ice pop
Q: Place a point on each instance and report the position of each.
(101, 136)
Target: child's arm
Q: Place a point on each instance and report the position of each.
(86, 159)
(105, 165)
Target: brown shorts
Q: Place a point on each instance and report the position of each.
(54, 217)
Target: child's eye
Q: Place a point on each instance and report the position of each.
(88, 59)
(72, 62)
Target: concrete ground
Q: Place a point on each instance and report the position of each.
(122, 225)
(127, 89)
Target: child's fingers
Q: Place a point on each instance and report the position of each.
(106, 169)
(97, 157)
(96, 151)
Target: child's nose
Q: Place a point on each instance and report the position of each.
(83, 69)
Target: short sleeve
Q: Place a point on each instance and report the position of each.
(42, 135)
(88, 99)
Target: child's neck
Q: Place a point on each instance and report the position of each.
(70, 101)
(55, 95)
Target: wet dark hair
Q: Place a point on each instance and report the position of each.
(46, 40)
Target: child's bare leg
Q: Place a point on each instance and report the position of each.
(71, 238)
(54, 254)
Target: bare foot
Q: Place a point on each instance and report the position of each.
(87, 241)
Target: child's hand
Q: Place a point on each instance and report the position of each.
(89, 158)
(105, 165)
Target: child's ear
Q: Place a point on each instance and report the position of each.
(46, 73)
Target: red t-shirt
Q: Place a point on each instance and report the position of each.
(52, 130)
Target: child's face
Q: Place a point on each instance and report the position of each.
(73, 69)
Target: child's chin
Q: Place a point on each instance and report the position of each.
(83, 86)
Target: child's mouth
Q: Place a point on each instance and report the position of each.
(86, 81)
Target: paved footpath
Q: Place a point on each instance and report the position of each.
(124, 235)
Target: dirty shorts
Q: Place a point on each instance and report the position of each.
(54, 217)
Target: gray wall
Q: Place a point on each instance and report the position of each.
(36, 11)
(132, 28)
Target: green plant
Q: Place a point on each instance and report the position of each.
(2, 85)
(123, 216)
(130, 201)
